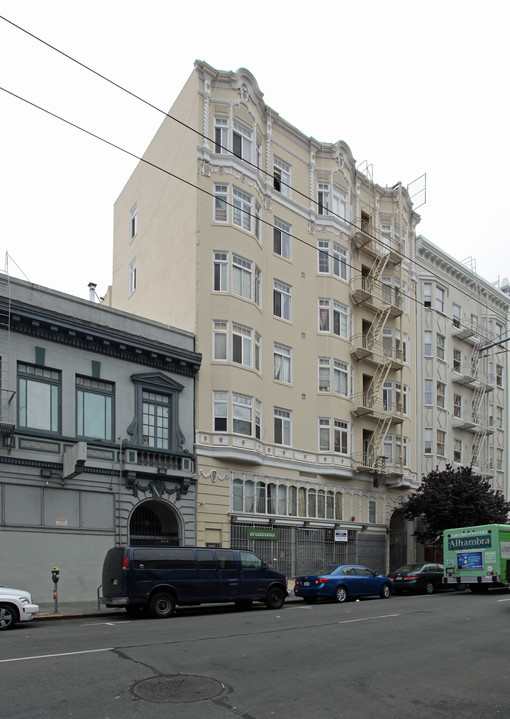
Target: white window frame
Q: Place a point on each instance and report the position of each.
(220, 340)
(324, 370)
(242, 277)
(323, 198)
(284, 292)
(221, 127)
(341, 378)
(221, 204)
(132, 276)
(133, 221)
(220, 271)
(242, 345)
(242, 136)
(283, 427)
(282, 363)
(281, 176)
(340, 204)
(242, 209)
(282, 239)
(427, 436)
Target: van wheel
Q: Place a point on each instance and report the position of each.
(275, 598)
(161, 605)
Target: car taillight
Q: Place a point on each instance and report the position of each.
(296, 582)
(321, 580)
(411, 576)
(125, 563)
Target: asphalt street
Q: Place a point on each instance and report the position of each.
(439, 656)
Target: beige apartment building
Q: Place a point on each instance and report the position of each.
(295, 272)
(462, 335)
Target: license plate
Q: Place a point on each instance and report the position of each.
(306, 584)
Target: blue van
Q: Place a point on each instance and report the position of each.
(157, 579)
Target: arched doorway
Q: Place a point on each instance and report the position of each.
(154, 523)
(398, 540)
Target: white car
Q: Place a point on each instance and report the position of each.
(15, 606)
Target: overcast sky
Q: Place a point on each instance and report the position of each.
(412, 88)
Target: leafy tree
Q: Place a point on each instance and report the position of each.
(454, 498)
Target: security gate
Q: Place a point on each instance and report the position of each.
(298, 550)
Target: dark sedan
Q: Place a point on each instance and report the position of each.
(341, 582)
(424, 578)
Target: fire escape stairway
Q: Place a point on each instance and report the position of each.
(375, 330)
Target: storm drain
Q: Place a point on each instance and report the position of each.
(178, 688)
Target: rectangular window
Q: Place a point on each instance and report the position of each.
(220, 272)
(281, 239)
(457, 406)
(241, 141)
(457, 450)
(441, 442)
(282, 427)
(242, 410)
(440, 347)
(456, 315)
(499, 460)
(427, 343)
(220, 203)
(220, 341)
(372, 510)
(341, 378)
(323, 198)
(340, 208)
(281, 177)
(457, 360)
(499, 375)
(341, 437)
(324, 374)
(221, 135)
(427, 294)
(499, 417)
(258, 351)
(324, 434)
(242, 277)
(441, 394)
(282, 300)
(428, 392)
(324, 315)
(242, 345)
(94, 408)
(132, 276)
(323, 256)
(402, 398)
(440, 299)
(156, 413)
(258, 286)
(133, 221)
(39, 398)
(428, 441)
(258, 222)
(220, 411)
(282, 360)
(242, 209)
(340, 320)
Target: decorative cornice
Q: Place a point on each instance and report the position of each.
(91, 338)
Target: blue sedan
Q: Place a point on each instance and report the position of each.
(341, 583)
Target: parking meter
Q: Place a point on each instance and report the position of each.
(55, 576)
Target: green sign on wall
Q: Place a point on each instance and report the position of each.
(262, 534)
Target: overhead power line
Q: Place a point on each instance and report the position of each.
(204, 136)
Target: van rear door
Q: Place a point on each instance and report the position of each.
(113, 573)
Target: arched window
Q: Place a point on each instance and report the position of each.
(282, 499)
(321, 504)
(261, 498)
(249, 496)
(312, 503)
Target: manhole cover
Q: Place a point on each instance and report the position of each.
(178, 688)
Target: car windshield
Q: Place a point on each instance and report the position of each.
(408, 568)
